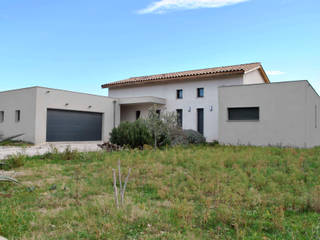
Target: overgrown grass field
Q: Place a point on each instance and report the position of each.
(195, 192)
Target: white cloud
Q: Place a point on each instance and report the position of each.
(162, 6)
(275, 72)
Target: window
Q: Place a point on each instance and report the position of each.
(138, 114)
(179, 117)
(316, 116)
(200, 120)
(17, 116)
(243, 113)
(179, 94)
(200, 92)
(158, 112)
(1, 116)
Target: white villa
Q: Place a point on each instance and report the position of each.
(233, 104)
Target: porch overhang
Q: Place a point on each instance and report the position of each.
(142, 100)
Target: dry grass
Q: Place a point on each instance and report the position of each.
(196, 192)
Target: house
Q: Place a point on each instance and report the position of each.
(233, 104)
(52, 115)
(192, 94)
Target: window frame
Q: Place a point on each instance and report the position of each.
(179, 117)
(17, 116)
(316, 116)
(138, 114)
(178, 95)
(199, 91)
(1, 116)
(200, 124)
(254, 119)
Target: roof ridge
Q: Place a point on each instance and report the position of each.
(201, 69)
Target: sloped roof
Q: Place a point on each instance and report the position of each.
(226, 70)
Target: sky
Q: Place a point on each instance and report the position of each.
(80, 44)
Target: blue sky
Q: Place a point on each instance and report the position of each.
(80, 44)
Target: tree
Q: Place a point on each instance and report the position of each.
(160, 124)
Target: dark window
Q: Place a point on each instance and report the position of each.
(247, 113)
(316, 116)
(17, 115)
(200, 92)
(1, 116)
(158, 112)
(179, 93)
(179, 117)
(200, 120)
(138, 114)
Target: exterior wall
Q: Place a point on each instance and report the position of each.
(128, 112)
(312, 109)
(168, 91)
(25, 101)
(57, 99)
(253, 77)
(286, 115)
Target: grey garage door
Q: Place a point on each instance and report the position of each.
(65, 125)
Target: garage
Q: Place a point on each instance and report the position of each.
(66, 125)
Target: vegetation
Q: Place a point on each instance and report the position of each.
(132, 134)
(160, 126)
(194, 192)
(185, 137)
(156, 129)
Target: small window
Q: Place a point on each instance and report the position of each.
(247, 113)
(1, 116)
(18, 115)
(200, 92)
(316, 116)
(179, 117)
(158, 112)
(179, 94)
(138, 113)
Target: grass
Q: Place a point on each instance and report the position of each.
(196, 192)
(15, 144)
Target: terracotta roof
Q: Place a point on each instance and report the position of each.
(242, 68)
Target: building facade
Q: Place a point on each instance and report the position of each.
(193, 94)
(235, 105)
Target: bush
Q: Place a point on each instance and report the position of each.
(14, 161)
(184, 137)
(178, 137)
(194, 137)
(132, 134)
(160, 125)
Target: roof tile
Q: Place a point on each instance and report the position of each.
(169, 76)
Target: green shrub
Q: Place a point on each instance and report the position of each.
(178, 137)
(132, 134)
(14, 161)
(184, 137)
(160, 125)
(194, 137)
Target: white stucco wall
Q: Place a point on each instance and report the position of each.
(33, 103)
(253, 77)
(168, 91)
(128, 112)
(286, 115)
(25, 101)
(57, 99)
(312, 109)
